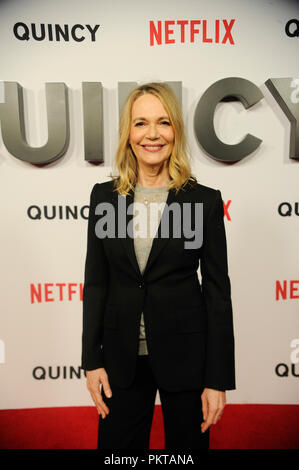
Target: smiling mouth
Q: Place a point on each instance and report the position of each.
(153, 148)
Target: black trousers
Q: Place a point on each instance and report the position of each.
(128, 424)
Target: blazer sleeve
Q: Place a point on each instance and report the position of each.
(94, 293)
(220, 363)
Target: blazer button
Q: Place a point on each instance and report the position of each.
(141, 285)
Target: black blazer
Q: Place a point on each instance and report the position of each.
(188, 324)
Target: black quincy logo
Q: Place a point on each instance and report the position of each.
(55, 32)
(292, 28)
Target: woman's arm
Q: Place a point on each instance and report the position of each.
(94, 292)
(220, 365)
(94, 296)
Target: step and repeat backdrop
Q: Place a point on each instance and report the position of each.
(66, 67)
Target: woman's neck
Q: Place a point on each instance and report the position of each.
(153, 181)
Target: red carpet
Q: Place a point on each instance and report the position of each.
(241, 427)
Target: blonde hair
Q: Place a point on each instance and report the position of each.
(179, 167)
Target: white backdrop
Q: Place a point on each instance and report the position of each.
(262, 245)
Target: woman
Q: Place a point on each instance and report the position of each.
(148, 322)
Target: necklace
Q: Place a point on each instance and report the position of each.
(147, 199)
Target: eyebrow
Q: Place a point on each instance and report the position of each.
(144, 119)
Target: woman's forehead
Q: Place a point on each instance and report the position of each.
(148, 104)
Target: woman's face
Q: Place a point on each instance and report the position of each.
(151, 133)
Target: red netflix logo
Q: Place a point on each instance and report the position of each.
(59, 291)
(181, 31)
(287, 290)
(225, 208)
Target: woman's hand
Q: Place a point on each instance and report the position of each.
(213, 403)
(94, 379)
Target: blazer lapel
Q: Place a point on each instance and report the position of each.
(158, 243)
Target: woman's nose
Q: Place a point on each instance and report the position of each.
(152, 131)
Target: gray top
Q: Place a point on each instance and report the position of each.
(148, 211)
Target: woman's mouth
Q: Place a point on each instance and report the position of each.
(153, 148)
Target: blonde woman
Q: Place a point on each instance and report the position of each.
(149, 323)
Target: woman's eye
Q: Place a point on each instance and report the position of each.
(139, 124)
(165, 123)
